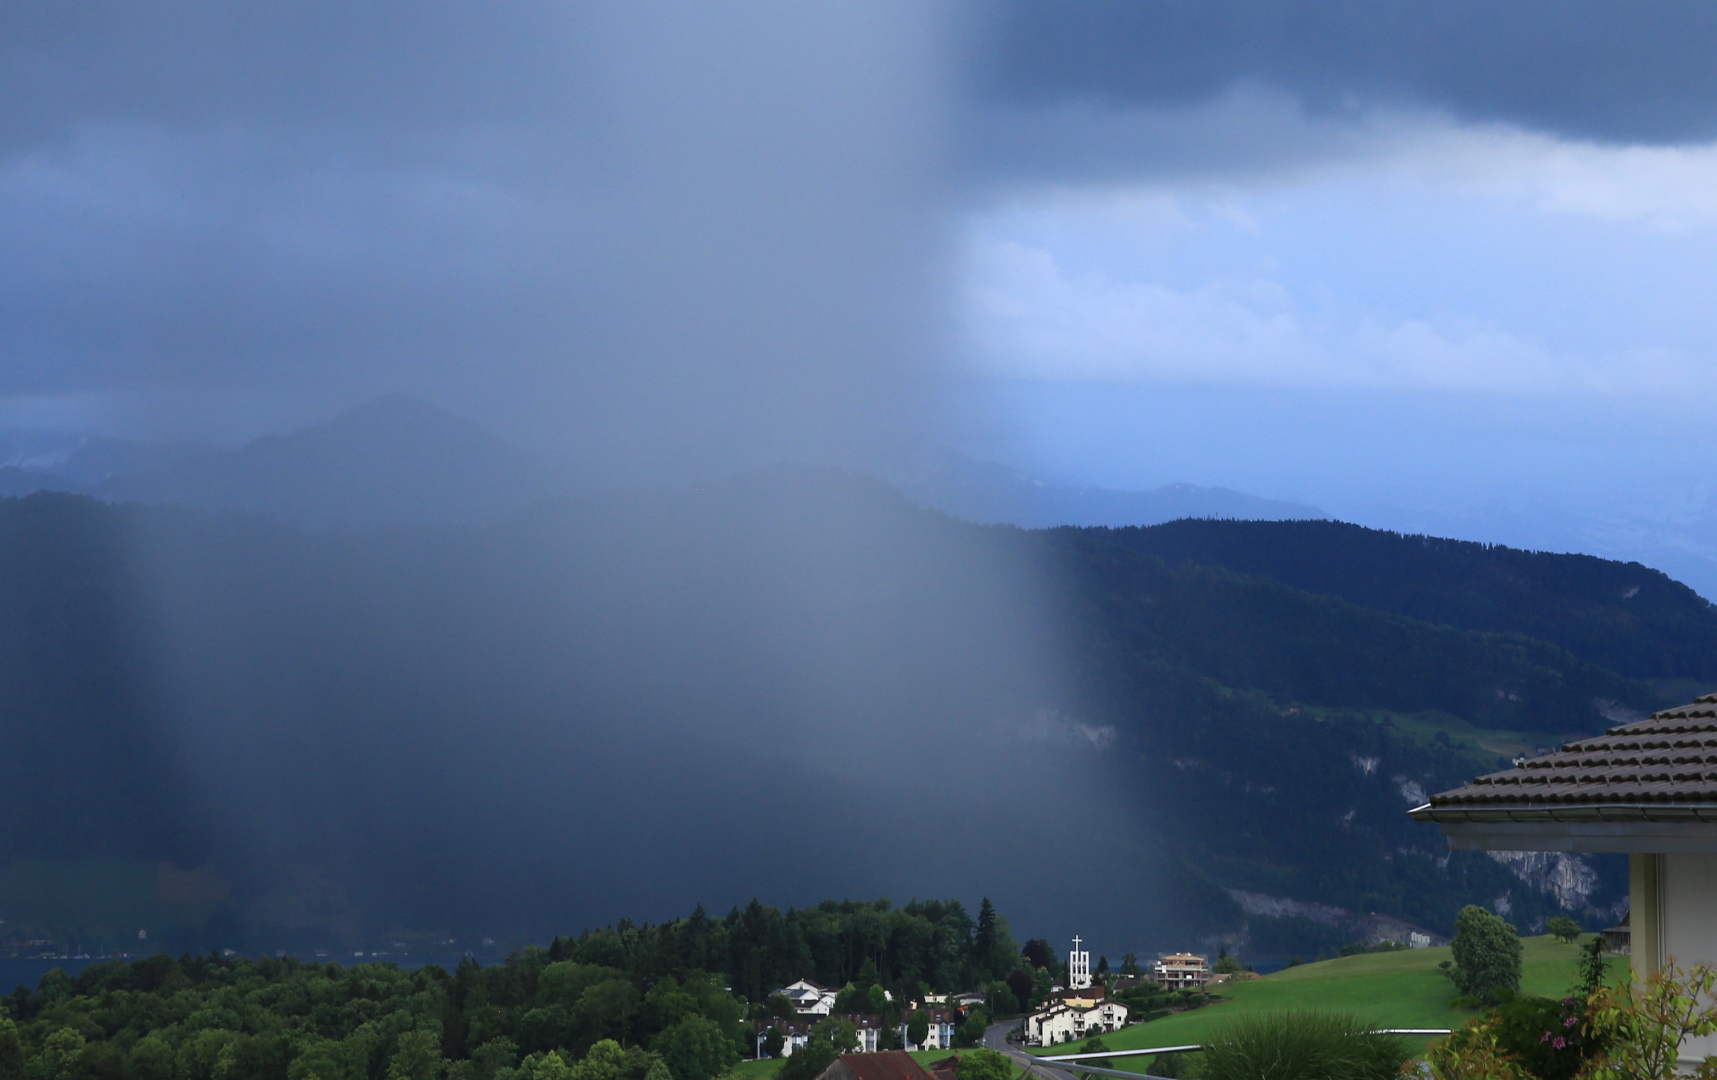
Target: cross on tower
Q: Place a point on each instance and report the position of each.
(1078, 966)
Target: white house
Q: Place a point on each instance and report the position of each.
(941, 1034)
(808, 998)
(796, 1033)
(869, 1032)
(1648, 789)
(1071, 1019)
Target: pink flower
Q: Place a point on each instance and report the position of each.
(1544, 1037)
(1558, 1042)
(1570, 1021)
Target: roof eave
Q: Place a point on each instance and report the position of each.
(1634, 828)
(1527, 813)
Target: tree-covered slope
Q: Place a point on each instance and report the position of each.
(1629, 618)
(1253, 632)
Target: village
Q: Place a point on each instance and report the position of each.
(1089, 1005)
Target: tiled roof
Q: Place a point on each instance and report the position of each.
(1663, 767)
(884, 1065)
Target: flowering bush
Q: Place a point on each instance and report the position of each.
(1643, 1024)
(1633, 1031)
(1549, 1038)
(1472, 1052)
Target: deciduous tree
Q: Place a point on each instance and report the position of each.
(1486, 955)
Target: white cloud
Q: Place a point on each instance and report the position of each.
(1662, 187)
(1030, 317)
(1436, 257)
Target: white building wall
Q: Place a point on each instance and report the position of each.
(1065, 1024)
(1687, 921)
(939, 1037)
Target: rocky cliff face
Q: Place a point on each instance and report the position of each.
(1566, 877)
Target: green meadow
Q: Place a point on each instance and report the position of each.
(1394, 989)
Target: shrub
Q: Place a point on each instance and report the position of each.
(1296, 1045)
(1174, 1066)
(1548, 1038)
(1095, 1045)
(985, 1065)
(1472, 1053)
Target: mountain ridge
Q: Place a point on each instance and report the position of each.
(609, 681)
(987, 493)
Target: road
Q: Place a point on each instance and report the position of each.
(996, 1038)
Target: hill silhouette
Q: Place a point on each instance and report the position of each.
(390, 460)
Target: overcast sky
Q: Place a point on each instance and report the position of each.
(1387, 258)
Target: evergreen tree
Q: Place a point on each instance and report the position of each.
(984, 941)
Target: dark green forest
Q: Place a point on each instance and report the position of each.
(361, 734)
(674, 1001)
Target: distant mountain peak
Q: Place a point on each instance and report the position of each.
(392, 459)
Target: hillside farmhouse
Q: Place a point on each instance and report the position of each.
(1648, 789)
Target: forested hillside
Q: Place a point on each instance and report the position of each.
(794, 684)
(1623, 616)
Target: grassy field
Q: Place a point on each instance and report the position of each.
(1398, 989)
(1484, 745)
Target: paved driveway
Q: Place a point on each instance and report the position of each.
(996, 1038)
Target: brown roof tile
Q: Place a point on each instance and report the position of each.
(1670, 758)
(883, 1065)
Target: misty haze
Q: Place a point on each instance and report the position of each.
(631, 529)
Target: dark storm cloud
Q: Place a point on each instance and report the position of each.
(1609, 71)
